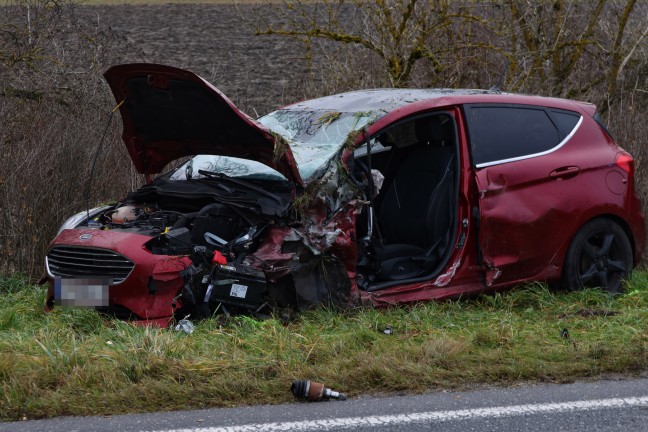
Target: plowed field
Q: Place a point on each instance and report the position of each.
(258, 73)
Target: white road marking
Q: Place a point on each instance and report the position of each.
(428, 417)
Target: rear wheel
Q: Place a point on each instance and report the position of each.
(599, 256)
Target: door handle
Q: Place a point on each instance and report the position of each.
(564, 173)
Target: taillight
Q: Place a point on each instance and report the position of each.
(625, 162)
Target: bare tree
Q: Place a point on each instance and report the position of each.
(572, 48)
(399, 33)
(561, 47)
(52, 108)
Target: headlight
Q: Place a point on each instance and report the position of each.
(77, 219)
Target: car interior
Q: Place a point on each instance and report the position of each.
(405, 231)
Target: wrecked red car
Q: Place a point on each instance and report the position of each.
(373, 197)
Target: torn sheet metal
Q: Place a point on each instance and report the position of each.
(323, 251)
(445, 278)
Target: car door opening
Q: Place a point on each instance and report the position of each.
(411, 218)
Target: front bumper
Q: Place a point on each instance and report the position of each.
(148, 293)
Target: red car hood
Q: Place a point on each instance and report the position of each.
(170, 113)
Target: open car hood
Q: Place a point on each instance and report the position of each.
(169, 113)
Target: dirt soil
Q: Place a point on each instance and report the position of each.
(258, 73)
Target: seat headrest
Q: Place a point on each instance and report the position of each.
(436, 130)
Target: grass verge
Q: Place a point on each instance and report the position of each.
(74, 362)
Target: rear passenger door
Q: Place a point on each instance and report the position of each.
(522, 170)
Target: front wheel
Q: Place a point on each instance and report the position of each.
(599, 256)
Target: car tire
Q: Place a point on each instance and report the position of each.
(600, 255)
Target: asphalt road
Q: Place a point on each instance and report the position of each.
(610, 405)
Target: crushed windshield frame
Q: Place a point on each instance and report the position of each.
(316, 136)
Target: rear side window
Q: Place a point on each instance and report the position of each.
(503, 133)
(598, 120)
(565, 121)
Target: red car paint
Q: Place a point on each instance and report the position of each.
(152, 285)
(511, 221)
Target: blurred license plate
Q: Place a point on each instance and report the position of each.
(81, 292)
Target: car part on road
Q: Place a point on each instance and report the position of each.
(313, 391)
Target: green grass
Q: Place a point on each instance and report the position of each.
(74, 362)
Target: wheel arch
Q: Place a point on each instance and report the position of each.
(625, 226)
(568, 279)
(619, 221)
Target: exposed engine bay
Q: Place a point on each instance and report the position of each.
(217, 221)
(222, 225)
(210, 213)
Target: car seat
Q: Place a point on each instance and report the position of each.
(415, 213)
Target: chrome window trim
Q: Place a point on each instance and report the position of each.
(533, 155)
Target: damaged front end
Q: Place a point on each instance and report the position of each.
(195, 247)
(234, 229)
(302, 259)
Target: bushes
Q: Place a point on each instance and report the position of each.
(53, 106)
